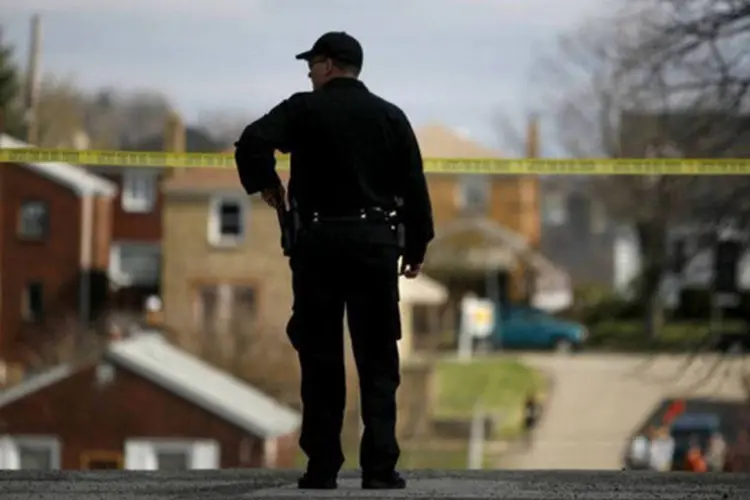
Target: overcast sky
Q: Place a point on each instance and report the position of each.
(459, 62)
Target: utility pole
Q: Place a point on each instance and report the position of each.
(531, 192)
(32, 81)
(475, 459)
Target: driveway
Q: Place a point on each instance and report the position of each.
(599, 400)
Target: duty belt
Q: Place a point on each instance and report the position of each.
(375, 214)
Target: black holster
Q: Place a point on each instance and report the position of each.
(289, 223)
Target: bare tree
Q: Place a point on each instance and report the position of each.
(60, 112)
(119, 119)
(224, 126)
(593, 94)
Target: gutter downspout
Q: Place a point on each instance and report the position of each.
(87, 234)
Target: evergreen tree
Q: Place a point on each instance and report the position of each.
(10, 92)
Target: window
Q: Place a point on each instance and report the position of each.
(32, 302)
(226, 222)
(474, 193)
(244, 306)
(138, 191)
(208, 302)
(173, 460)
(171, 454)
(34, 458)
(135, 264)
(33, 220)
(221, 305)
(555, 210)
(29, 453)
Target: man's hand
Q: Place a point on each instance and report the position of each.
(275, 197)
(410, 271)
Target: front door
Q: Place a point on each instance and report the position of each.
(101, 460)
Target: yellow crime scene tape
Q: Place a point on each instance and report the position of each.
(491, 166)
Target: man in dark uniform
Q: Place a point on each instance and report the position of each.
(355, 162)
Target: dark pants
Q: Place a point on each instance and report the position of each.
(330, 273)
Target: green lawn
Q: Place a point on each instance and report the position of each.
(500, 384)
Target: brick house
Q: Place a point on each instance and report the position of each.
(54, 246)
(135, 259)
(488, 226)
(143, 404)
(510, 202)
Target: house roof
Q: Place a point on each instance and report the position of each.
(76, 178)
(435, 141)
(207, 180)
(150, 356)
(438, 141)
(155, 359)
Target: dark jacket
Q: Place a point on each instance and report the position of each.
(350, 150)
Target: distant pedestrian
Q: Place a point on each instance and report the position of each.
(716, 454)
(695, 461)
(532, 413)
(661, 451)
(639, 452)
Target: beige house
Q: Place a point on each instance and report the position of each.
(223, 262)
(222, 259)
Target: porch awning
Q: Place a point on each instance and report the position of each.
(422, 290)
(477, 245)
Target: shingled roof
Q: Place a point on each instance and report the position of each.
(435, 141)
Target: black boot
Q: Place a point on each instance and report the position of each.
(387, 481)
(313, 482)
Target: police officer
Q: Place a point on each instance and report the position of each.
(355, 166)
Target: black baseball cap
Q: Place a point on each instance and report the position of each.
(336, 45)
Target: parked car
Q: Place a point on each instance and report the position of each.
(521, 327)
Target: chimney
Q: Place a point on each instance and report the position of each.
(174, 139)
(174, 134)
(532, 137)
(32, 81)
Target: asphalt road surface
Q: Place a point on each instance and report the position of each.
(600, 400)
(258, 484)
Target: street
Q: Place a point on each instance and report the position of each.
(599, 400)
(247, 484)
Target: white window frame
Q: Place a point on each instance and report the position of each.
(10, 454)
(142, 453)
(215, 237)
(116, 273)
(471, 182)
(139, 190)
(44, 220)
